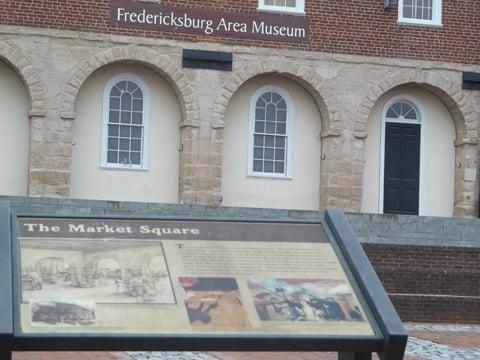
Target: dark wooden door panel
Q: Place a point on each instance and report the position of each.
(402, 168)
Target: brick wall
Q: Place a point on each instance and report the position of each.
(427, 282)
(359, 27)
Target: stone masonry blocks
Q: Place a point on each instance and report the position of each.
(30, 76)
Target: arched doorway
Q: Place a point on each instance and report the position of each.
(409, 155)
(402, 170)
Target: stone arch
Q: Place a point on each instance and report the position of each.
(449, 93)
(463, 114)
(160, 63)
(30, 76)
(306, 76)
(312, 82)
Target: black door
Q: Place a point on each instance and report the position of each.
(402, 168)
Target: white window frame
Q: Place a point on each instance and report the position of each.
(289, 133)
(299, 9)
(436, 15)
(145, 121)
(422, 121)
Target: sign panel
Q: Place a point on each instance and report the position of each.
(82, 276)
(156, 17)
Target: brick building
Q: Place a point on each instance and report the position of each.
(356, 104)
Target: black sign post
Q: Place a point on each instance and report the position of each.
(369, 305)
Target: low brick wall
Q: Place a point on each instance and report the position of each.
(430, 267)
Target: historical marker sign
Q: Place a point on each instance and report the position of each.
(190, 284)
(127, 276)
(156, 17)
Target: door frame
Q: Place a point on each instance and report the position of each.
(423, 147)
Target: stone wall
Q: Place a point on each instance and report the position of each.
(54, 64)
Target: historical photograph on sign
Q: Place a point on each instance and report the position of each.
(64, 313)
(304, 300)
(116, 272)
(214, 303)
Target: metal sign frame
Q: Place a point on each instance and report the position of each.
(389, 340)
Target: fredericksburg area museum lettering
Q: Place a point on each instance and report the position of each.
(196, 21)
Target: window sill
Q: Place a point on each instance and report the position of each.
(123, 167)
(422, 24)
(269, 176)
(281, 11)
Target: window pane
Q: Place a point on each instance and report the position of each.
(260, 113)
(122, 85)
(269, 154)
(137, 94)
(258, 140)
(114, 116)
(125, 131)
(136, 132)
(123, 158)
(112, 157)
(268, 166)
(137, 105)
(397, 109)
(280, 142)
(282, 116)
(411, 114)
(135, 158)
(261, 103)
(271, 112)
(113, 130)
(391, 114)
(276, 98)
(124, 144)
(270, 129)
(259, 126)
(126, 117)
(115, 103)
(279, 167)
(131, 87)
(258, 165)
(267, 97)
(112, 143)
(115, 91)
(280, 154)
(126, 101)
(137, 118)
(281, 128)
(136, 145)
(407, 12)
(258, 153)
(282, 105)
(291, 3)
(269, 141)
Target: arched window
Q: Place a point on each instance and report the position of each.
(125, 123)
(402, 110)
(270, 133)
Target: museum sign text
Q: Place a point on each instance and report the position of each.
(149, 16)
